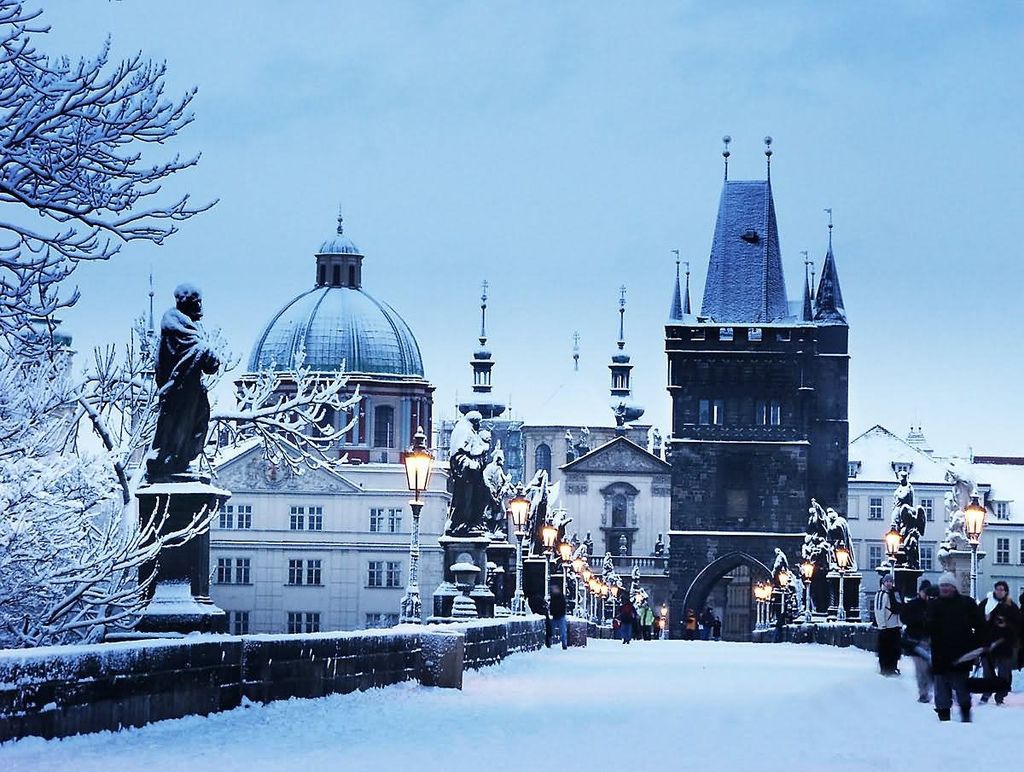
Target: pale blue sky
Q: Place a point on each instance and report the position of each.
(562, 149)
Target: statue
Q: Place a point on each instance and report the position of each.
(623, 544)
(781, 564)
(470, 494)
(903, 496)
(656, 442)
(608, 564)
(499, 485)
(582, 444)
(542, 496)
(908, 522)
(183, 358)
(659, 548)
(588, 545)
(570, 454)
(839, 536)
(962, 487)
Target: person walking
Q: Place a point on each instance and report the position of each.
(559, 624)
(691, 625)
(540, 607)
(956, 626)
(1002, 627)
(887, 606)
(707, 618)
(625, 617)
(646, 620)
(716, 628)
(913, 617)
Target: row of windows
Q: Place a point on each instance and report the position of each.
(379, 573)
(729, 333)
(304, 621)
(876, 509)
(1002, 557)
(876, 555)
(310, 518)
(711, 412)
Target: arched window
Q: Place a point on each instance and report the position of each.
(322, 275)
(352, 276)
(336, 276)
(384, 426)
(619, 510)
(542, 458)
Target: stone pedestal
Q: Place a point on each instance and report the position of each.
(463, 549)
(533, 577)
(503, 555)
(906, 579)
(958, 562)
(851, 595)
(179, 597)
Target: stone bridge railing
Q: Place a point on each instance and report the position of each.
(65, 690)
(843, 634)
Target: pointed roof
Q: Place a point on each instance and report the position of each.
(686, 297)
(828, 300)
(675, 313)
(808, 313)
(745, 281)
(619, 456)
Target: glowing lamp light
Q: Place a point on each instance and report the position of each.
(664, 610)
(892, 542)
(843, 558)
(577, 565)
(520, 508)
(418, 463)
(784, 578)
(548, 534)
(587, 574)
(974, 520)
(565, 551)
(807, 570)
(614, 589)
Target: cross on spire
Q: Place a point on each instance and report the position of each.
(622, 316)
(483, 312)
(576, 351)
(725, 153)
(341, 220)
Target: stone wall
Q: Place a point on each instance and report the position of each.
(858, 634)
(65, 690)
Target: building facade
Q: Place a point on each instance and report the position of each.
(759, 408)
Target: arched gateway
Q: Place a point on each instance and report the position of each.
(737, 572)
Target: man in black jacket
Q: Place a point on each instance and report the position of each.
(558, 622)
(912, 614)
(956, 627)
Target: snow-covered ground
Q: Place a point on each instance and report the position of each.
(658, 705)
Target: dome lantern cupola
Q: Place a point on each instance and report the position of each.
(339, 263)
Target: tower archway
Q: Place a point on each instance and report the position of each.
(725, 585)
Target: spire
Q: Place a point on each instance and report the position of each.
(828, 300)
(622, 404)
(768, 156)
(341, 221)
(808, 312)
(481, 399)
(576, 351)
(725, 154)
(686, 298)
(675, 313)
(152, 325)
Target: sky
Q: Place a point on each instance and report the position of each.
(562, 150)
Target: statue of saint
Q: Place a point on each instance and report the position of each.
(183, 358)
(470, 494)
(623, 544)
(588, 545)
(839, 536)
(903, 496)
(582, 444)
(499, 485)
(608, 564)
(659, 548)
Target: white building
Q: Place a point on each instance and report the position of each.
(1001, 480)
(320, 551)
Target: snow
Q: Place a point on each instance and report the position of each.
(652, 705)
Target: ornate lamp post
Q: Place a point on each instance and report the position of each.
(974, 523)
(784, 579)
(892, 547)
(762, 596)
(418, 465)
(520, 509)
(664, 621)
(548, 534)
(843, 562)
(565, 553)
(807, 572)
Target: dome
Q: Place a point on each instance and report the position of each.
(339, 245)
(336, 324)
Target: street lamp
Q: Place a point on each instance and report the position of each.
(418, 464)
(520, 509)
(892, 546)
(664, 621)
(548, 534)
(807, 571)
(974, 523)
(843, 562)
(565, 552)
(762, 595)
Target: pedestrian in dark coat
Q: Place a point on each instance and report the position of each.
(1002, 627)
(913, 616)
(956, 626)
(539, 606)
(626, 616)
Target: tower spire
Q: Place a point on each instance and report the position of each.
(828, 300)
(481, 399)
(768, 155)
(622, 317)
(686, 297)
(576, 351)
(725, 153)
(622, 404)
(483, 312)
(675, 313)
(152, 325)
(808, 312)
(341, 220)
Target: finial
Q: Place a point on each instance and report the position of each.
(622, 315)
(829, 213)
(768, 154)
(152, 326)
(576, 351)
(483, 312)
(341, 228)
(725, 153)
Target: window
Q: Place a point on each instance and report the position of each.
(875, 508)
(1002, 551)
(1001, 509)
(316, 519)
(381, 620)
(298, 518)
(697, 334)
(927, 557)
(542, 458)
(375, 574)
(303, 622)
(223, 570)
(294, 572)
(875, 555)
(619, 510)
(768, 413)
(901, 466)
(238, 622)
(336, 275)
(384, 426)
(711, 412)
(704, 412)
(227, 516)
(313, 572)
(737, 502)
(351, 276)
(244, 512)
(395, 520)
(784, 335)
(853, 513)
(376, 519)
(393, 578)
(929, 510)
(1021, 554)
(725, 333)
(853, 469)
(242, 566)
(754, 333)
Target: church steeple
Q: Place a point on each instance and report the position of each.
(482, 399)
(808, 311)
(675, 312)
(622, 404)
(828, 300)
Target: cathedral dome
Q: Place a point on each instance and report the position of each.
(337, 322)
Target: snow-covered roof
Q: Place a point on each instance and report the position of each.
(745, 283)
(1006, 481)
(878, 449)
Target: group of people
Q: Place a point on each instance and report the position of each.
(634, 621)
(947, 634)
(708, 626)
